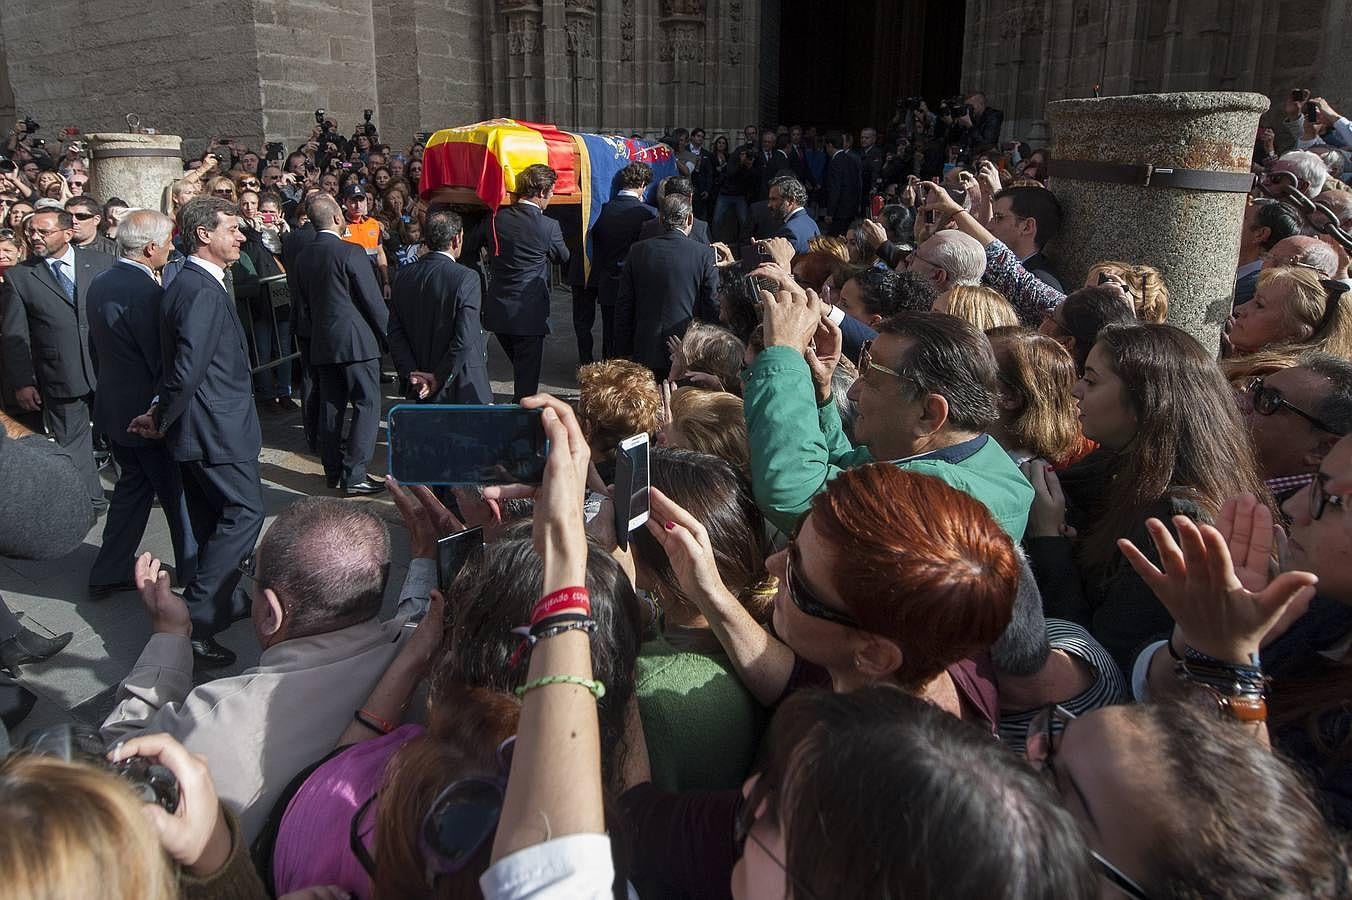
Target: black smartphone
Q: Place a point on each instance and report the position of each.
(754, 253)
(959, 194)
(443, 444)
(1310, 110)
(453, 551)
(630, 497)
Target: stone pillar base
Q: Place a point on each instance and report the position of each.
(136, 167)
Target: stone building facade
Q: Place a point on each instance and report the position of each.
(1026, 53)
(256, 70)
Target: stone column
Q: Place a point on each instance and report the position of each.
(1190, 235)
(135, 167)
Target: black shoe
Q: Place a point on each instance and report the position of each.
(363, 487)
(387, 378)
(211, 655)
(333, 481)
(30, 647)
(101, 591)
(286, 405)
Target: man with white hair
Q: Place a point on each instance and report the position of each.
(124, 342)
(1301, 250)
(1308, 169)
(949, 258)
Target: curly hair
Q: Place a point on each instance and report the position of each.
(1149, 293)
(617, 398)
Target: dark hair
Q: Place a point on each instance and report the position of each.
(835, 139)
(949, 357)
(879, 290)
(898, 220)
(790, 188)
(327, 561)
(677, 185)
(818, 267)
(88, 203)
(918, 562)
(1023, 647)
(1038, 204)
(1086, 311)
(271, 197)
(1335, 409)
(63, 216)
(1191, 442)
(635, 175)
(441, 230)
(675, 210)
(114, 203)
(200, 212)
(740, 301)
(1281, 218)
(536, 181)
(880, 794)
(712, 491)
(495, 593)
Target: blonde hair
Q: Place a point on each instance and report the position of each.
(617, 398)
(833, 245)
(1042, 373)
(712, 422)
(222, 181)
(716, 351)
(1239, 369)
(1149, 293)
(1323, 321)
(67, 827)
(983, 307)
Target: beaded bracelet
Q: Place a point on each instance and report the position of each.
(597, 688)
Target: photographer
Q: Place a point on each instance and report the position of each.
(980, 124)
(739, 180)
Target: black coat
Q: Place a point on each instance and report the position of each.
(667, 281)
(653, 228)
(293, 242)
(206, 404)
(518, 288)
(337, 288)
(434, 327)
(844, 185)
(615, 231)
(124, 342)
(44, 337)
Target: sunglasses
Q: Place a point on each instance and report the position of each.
(460, 821)
(805, 600)
(1320, 498)
(223, 192)
(83, 216)
(249, 184)
(1266, 401)
(1040, 750)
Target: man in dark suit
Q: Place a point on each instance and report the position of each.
(844, 185)
(1025, 219)
(207, 418)
(348, 319)
(44, 337)
(787, 200)
(615, 231)
(293, 242)
(516, 309)
(436, 339)
(666, 282)
(669, 186)
(870, 164)
(124, 343)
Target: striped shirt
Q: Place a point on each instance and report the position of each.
(1109, 686)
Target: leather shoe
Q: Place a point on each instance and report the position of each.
(30, 647)
(211, 655)
(102, 591)
(387, 378)
(365, 486)
(286, 405)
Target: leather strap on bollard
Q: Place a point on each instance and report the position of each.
(1148, 175)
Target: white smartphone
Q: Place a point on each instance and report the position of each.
(630, 497)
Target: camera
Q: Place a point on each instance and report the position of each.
(152, 782)
(7, 166)
(275, 150)
(30, 125)
(366, 115)
(319, 117)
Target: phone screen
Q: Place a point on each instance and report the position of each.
(453, 551)
(630, 497)
(436, 444)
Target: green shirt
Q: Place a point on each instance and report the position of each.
(797, 447)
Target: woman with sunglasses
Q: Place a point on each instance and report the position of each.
(1294, 309)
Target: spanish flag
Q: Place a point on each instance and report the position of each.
(488, 156)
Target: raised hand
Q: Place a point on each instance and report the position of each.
(686, 543)
(168, 611)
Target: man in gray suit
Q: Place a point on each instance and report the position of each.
(45, 343)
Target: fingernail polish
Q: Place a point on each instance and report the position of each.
(670, 526)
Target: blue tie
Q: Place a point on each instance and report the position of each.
(59, 270)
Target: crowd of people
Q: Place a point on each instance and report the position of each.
(959, 580)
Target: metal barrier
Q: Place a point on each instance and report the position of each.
(1308, 209)
(273, 311)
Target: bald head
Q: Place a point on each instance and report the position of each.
(324, 212)
(1301, 250)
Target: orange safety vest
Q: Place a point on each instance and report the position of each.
(365, 234)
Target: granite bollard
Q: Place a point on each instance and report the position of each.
(135, 167)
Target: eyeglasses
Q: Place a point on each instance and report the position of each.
(461, 819)
(1320, 497)
(223, 192)
(1040, 749)
(75, 183)
(1266, 401)
(807, 603)
(83, 216)
(866, 364)
(762, 794)
(48, 232)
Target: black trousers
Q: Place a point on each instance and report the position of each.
(355, 384)
(309, 394)
(526, 351)
(145, 473)
(69, 421)
(225, 505)
(584, 316)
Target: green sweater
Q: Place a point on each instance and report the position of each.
(797, 447)
(701, 725)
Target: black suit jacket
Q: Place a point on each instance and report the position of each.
(434, 327)
(518, 287)
(616, 229)
(844, 185)
(44, 337)
(293, 242)
(667, 281)
(337, 288)
(124, 342)
(653, 228)
(206, 404)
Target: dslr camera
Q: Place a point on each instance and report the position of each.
(368, 129)
(29, 124)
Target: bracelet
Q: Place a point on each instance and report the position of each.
(563, 599)
(548, 627)
(597, 688)
(550, 622)
(372, 721)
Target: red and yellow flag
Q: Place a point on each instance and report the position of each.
(488, 156)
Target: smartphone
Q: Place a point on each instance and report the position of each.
(959, 194)
(446, 444)
(754, 252)
(269, 218)
(875, 205)
(1310, 110)
(453, 551)
(630, 497)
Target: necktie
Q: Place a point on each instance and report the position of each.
(68, 286)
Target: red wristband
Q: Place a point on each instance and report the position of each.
(562, 599)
